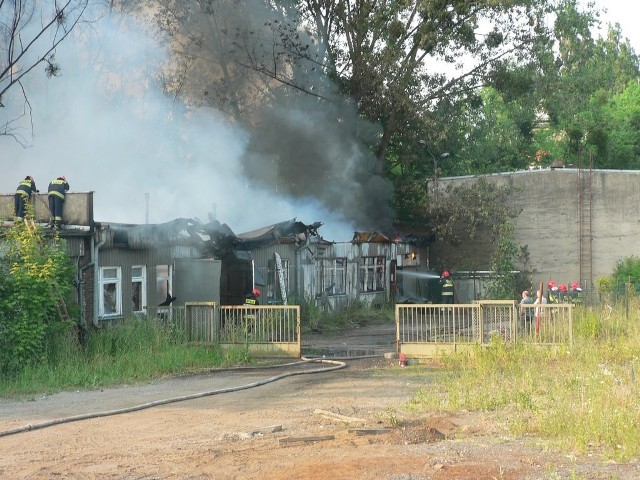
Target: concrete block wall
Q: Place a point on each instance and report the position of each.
(78, 208)
(549, 221)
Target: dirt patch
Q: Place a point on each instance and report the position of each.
(346, 424)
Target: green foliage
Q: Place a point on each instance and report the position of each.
(134, 350)
(579, 397)
(626, 275)
(35, 276)
(510, 264)
(479, 207)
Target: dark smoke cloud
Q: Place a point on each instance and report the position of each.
(110, 130)
(312, 148)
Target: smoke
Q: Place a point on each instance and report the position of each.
(109, 129)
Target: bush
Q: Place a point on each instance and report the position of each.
(35, 277)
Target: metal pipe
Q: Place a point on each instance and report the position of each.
(95, 253)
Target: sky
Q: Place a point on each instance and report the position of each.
(123, 147)
(624, 12)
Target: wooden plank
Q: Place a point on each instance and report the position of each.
(337, 416)
(370, 431)
(320, 438)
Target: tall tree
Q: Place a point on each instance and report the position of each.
(585, 74)
(30, 32)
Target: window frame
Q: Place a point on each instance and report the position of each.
(117, 281)
(143, 291)
(373, 274)
(332, 276)
(167, 282)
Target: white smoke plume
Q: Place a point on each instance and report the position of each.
(108, 130)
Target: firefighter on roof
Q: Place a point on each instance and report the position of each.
(446, 287)
(23, 193)
(57, 190)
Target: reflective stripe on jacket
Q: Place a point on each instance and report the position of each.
(447, 287)
(58, 187)
(25, 187)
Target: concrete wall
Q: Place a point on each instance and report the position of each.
(78, 208)
(549, 222)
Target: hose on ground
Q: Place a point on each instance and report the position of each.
(336, 365)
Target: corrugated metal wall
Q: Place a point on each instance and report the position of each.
(304, 265)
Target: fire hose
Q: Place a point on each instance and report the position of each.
(336, 365)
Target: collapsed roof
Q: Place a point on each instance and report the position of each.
(213, 238)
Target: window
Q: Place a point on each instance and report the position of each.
(332, 276)
(111, 288)
(138, 288)
(273, 279)
(163, 283)
(372, 274)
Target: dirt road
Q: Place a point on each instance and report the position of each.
(350, 423)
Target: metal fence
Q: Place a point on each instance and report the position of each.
(268, 329)
(424, 330)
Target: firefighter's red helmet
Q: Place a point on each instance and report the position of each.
(562, 287)
(574, 285)
(62, 177)
(445, 273)
(256, 292)
(551, 284)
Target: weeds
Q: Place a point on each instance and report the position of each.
(582, 396)
(131, 352)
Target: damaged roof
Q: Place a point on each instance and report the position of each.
(213, 238)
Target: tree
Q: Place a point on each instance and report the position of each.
(385, 56)
(579, 81)
(30, 32)
(35, 275)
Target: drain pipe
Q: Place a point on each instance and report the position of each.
(95, 253)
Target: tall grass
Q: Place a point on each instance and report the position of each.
(580, 397)
(130, 352)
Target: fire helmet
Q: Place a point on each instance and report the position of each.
(551, 284)
(256, 292)
(445, 273)
(574, 285)
(62, 177)
(562, 287)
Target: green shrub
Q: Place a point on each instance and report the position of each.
(35, 276)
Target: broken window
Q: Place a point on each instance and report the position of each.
(372, 274)
(332, 276)
(111, 288)
(163, 283)
(138, 288)
(274, 290)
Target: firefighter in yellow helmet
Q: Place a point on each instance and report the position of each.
(57, 190)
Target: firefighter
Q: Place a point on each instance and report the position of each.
(562, 293)
(575, 293)
(23, 193)
(252, 297)
(446, 287)
(57, 190)
(553, 292)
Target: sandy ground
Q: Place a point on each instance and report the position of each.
(276, 423)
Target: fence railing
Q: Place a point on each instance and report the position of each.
(453, 326)
(269, 329)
